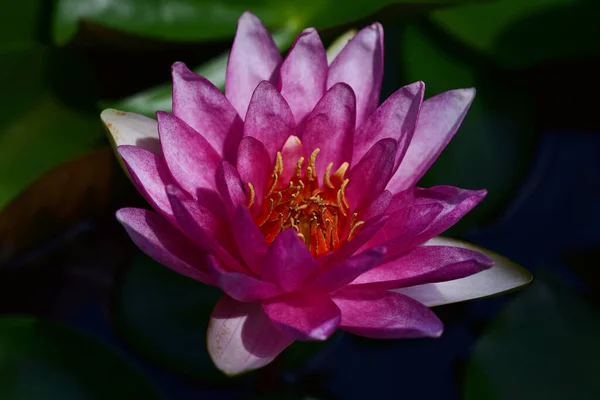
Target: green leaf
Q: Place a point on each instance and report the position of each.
(164, 317)
(212, 19)
(524, 33)
(492, 148)
(37, 129)
(19, 24)
(544, 345)
(42, 360)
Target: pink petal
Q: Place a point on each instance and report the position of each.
(452, 202)
(396, 118)
(150, 175)
(370, 228)
(303, 74)
(385, 315)
(291, 152)
(156, 237)
(241, 338)
(230, 187)
(288, 262)
(250, 240)
(425, 264)
(191, 159)
(503, 276)
(439, 120)
(254, 166)
(404, 228)
(204, 228)
(377, 207)
(348, 270)
(201, 105)
(370, 176)
(269, 118)
(330, 127)
(239, 285)
(254, 58)
(304, 315)
(360, 65)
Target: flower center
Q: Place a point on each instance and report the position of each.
(319, 213)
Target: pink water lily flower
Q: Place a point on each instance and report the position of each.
(295, 194)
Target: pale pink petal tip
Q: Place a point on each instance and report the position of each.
(241, 338)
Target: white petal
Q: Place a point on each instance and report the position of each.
(131, 129)
(502, 277)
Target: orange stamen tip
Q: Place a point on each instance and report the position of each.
(279, 163)
(327, 178)
(310, 170)
(298, 170)
(252, 194)
(352, 233)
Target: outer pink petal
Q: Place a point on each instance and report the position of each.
(230, 187)
(360, 64)
(330, 127)
(250, 240)
(439, 120)
(269, 118)
(425, 264)
(370, 176)
(291, 152)
(288, 262)
(303, 74)
(452, 202)
(241, 337)
(150, 175)
(304, 315)
(347, 271)
(404, 227)
(156, 237)
(204, 228)
(396, 118)
(191, 159)
(254, 166)
(201, 105)
(254, 58)
(385, 315)
(239, 285)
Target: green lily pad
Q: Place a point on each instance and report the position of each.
(492, 148)
(544, 345)
(160, 97)
(37, 129)
(164, 317)
(213, 19)
(524, 33)
(42, 360)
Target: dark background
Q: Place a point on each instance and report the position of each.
(83, 315)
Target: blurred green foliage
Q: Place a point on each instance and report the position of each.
(213, 19)
(43, 360)
(544, 345)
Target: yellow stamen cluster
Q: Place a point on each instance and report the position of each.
(320, 215)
